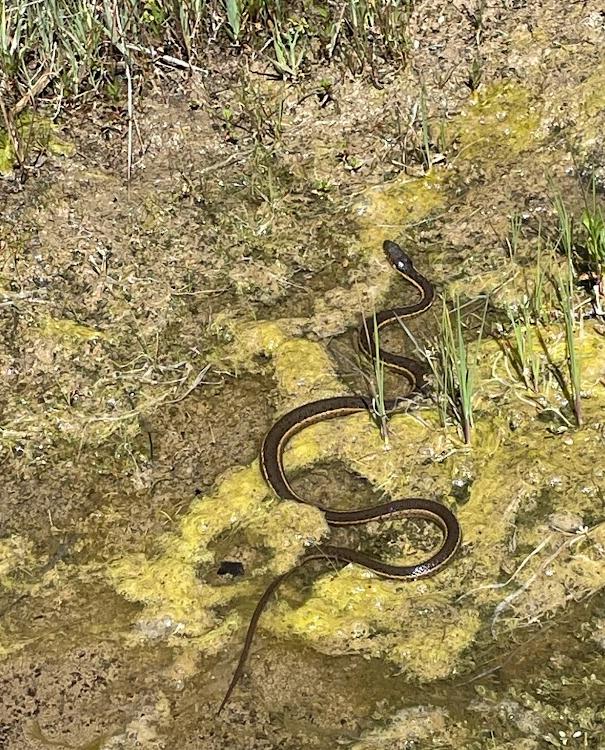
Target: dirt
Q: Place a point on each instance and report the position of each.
(150, 335)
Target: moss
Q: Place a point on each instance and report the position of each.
(501, 122)
(16, 555)
(302, 370)
(409, 727)
(15, 552)
(177, 601)
(7, 155)
(591, 93)
(38, 134)
(406, 201)
(68, 333)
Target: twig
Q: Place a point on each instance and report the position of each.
(198, 380)
(511, 597)
(519, 568)
(32, 93)
(173, 62)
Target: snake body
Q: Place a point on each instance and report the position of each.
(271, 462)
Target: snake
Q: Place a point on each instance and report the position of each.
(291, 423)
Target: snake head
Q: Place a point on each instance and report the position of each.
(397, 257)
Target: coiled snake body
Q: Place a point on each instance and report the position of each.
(271, 461)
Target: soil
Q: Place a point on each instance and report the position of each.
(151, 332)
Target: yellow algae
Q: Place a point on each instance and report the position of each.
(356, 611)
(357, 442)
(501, 121)
(236, 498)
(246, 340)
(15, 552)
(433, 644)
(68, 332)
(287, 528)
(411, 441)
(260, 338)
(414, 725)
(304, 372)
(36, 134)
(7, 155)
(389, 208)
(170, 585)
(590, 93)
(10, 645)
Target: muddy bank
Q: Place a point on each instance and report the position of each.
(152, 333)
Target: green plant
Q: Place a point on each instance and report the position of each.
(378, 401)
(512, 241)
(566, 225)
(593, 222)
(234, 18)
(453, 367)
(536, 294)
(475, 73)
(522, 348)
(426, 136)
(525, 344)
(367, 32)
(586, 248)
(565, 287)
(289, 48)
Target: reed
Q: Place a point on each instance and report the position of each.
(512, 241)
(522, 347)
(379, 411)
(454, 368)
(565, 289)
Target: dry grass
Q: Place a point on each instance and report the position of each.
(54, 52)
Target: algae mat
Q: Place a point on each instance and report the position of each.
(151, 335)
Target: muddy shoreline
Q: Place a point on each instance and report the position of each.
(151, 333)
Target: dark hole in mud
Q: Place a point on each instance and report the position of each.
(232, 568)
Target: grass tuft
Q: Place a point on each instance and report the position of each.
(512, 241)
(522, 346)
(586, 245)
(377, 386)
(453, 367)
(525, 344)
(64, 50)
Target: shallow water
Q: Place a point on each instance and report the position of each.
(130, 470)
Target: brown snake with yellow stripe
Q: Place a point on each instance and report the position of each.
(271, 461)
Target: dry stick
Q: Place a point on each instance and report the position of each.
(199, 379)
(130, 122)
(519, 568)
(505, 603)
(174, 62)
(32, 93)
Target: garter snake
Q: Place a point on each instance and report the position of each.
(271, 462)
